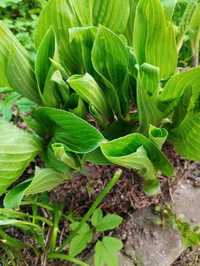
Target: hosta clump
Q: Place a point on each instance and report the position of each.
(112, 64)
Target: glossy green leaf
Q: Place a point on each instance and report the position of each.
(45, 51)
(87, 88)
(16, 70)
(169, 6)
(147, 92)
(181, 97)
(65, 157)
(13, 198)
(158, 135)
(77, 134)
(154, 37)
(113, 14)
(137, 152)
(114, 70)
(17, 149)
(43, 180)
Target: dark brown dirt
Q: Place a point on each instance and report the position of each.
(191, 257)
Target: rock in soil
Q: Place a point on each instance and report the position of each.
(149, 244)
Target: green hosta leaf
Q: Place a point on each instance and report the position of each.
(45, 51)
(135, 151)
(109, 222)
(154, 37)
(61, 16)
(43, 180)
(14, 197)
(158, 135)
(65, 157)
(106, 251)
(113, 14)
(17, 150)
(114, 70)
(81, 42)
(87, 88)
(130, 26)
(169, 6)
(181, 96)
(147, 92)
(15, 67)
(175, 89)
(67, 128)
(186, 137)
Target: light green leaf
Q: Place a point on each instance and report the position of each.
(87, 88)
(13, 198)
(137, 152)
(180, 97)
(169, 6)
(17, 149)
(147, 93)
(114, 70)
(15, 67)
(45, 51)
(75, 133)
(97, 217)
(65, 157)
(106, 251)
(158, 135)
(154, 37)
(43, 180)
(109, 222)
(113, 14)
(81, 240)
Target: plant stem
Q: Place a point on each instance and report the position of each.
(68, 258)
(55, 229)
(95, 204)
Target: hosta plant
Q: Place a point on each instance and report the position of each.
(107, 90)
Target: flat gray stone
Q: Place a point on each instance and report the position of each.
(186, 201)
(150, 244)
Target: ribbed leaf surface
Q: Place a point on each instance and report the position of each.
(17, 150)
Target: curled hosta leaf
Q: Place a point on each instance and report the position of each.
(67, 128)
(135, 151)
(87, 88)
(17, 149)
(64, 156)
(158, 135)
(154, 37)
